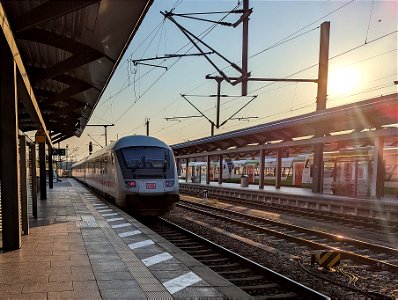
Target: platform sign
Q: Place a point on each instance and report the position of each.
(40, 137)
(60, 151)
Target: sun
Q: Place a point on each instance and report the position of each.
(343, 80)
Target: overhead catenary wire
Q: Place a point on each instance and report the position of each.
(207, 31)
(370, 19)
(282, 41)
(315, 64)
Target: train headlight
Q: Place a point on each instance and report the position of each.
(169, 183)
(131, 183)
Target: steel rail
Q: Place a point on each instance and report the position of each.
(306, 291)
(357, 220)
(299, 240)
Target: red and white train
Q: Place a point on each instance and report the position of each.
(346, 173)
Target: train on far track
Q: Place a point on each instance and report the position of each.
(138, 173)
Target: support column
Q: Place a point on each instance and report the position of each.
(278, 169)
(317, 181)
(24, 184)
(50, 167)
(317, 172)
(34, 179)
(220, 169)
(377, 179)
(9, 173)
(208, 170)
(186, 169)
(42, 165)
(177, 161)
(262, 167)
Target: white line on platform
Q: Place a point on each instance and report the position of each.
(120, 225)
(157, 259)
(97, 204)
(114, 219)
(104, 210)
(141, 244)
(129, 233)
(109, 215)
(181, 282)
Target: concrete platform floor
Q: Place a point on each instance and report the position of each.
(82, 248)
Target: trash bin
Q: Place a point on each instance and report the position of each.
(244, 181)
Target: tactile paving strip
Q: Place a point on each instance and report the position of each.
(152, 288)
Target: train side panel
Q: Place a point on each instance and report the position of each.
(138, 173)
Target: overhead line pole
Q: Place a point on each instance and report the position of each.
(106, 132)
(147, 126)
(245, 45)
(317, 182)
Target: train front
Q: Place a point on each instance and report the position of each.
(150, 179)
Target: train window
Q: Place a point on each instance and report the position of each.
(146, 157)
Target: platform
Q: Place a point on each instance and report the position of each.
(81, 247)
(385, 208)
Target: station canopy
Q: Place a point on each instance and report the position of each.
(352, 125)
(69, 49)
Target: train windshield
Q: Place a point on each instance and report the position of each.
(146, 158)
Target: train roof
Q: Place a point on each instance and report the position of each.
(137, 140)
(125, 142)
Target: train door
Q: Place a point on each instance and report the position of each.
(211, 174)
(362, 183)
(105, 174)
(342, 183)
(203, 173)
(250, 172)
(328, 176)
(307, 171)
(298, 168)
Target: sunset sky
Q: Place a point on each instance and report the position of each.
(283, 42)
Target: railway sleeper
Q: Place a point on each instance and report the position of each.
(218, 259)
(203, 251)
(260, 286)
(181, 240)
(215, 255)
(191, 247)
(233, 272)
(251, 278)
(290, 295)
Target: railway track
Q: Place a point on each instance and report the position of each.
(376, 256)
(344, 219)
(257, 281)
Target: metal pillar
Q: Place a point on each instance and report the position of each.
(186, 169)
(377, 185)
(317, 172)
(34, 178)
(278, 169)
(262, 167)
(317, 181)
(42, 165)
(9, 173)
(147, 126)
(208, 170)
(50, 167)
(219, 80)
(323, 66)
(24, 184)
(220, 169)
(245, 45)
